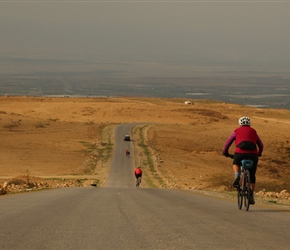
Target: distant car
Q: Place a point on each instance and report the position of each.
(127, 138)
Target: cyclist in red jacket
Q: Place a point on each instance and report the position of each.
(246, 142)
(138, 173)
(127, 152)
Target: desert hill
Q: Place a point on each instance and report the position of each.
(53, 140)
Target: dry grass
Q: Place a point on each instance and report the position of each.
(61, 137)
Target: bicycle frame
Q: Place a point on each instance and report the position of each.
(244, 189)
(138, 181)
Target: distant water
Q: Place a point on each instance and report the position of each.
(255, 95)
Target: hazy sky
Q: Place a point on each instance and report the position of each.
(200, 32)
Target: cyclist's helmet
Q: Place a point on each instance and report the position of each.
(245, 121)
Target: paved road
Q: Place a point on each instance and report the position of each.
(121, 173)
(120, 216)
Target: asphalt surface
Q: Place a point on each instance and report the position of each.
(121, 216)
(121, 174)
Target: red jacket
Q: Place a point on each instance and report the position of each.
(246, 139)
(138, 171)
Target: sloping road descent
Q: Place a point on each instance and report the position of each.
(121, 216)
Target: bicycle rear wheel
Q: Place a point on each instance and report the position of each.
(247, 189)
(240, 198)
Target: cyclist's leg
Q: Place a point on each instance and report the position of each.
(237, 168)
(137, 179)
(253, 185)
(252, 171)
(253, 179)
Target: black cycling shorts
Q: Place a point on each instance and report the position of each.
(138, 175)
(239, 157)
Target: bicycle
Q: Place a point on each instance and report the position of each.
(138, 182)
(244, 189)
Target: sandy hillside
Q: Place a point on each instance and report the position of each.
(63, 138)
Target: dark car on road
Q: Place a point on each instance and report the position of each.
(127, 138)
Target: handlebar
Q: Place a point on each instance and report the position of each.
(232, 156)
(228, 155)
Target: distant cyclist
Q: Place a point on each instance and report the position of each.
(246, 142)
(127, 152)
(138, 173)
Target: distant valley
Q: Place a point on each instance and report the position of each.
(258, 88)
